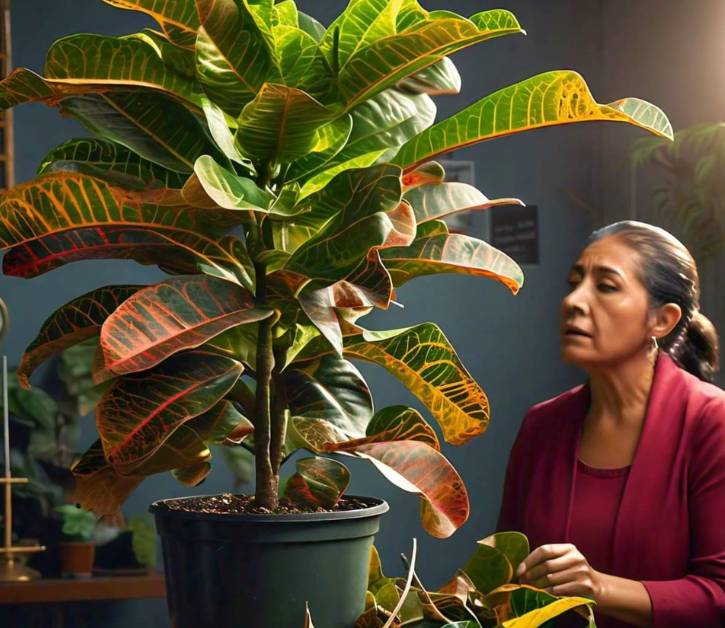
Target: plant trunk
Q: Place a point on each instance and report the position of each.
(266, 478)
(279, 424)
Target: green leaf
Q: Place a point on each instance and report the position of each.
(387, 121)
(318, 482)
(301, 63)
(116, 63)
(280, 124)
(440, 78)
(217, 122)
(179, 313)
(311, 26)
(359, 210)
(390, 59)
(488, 568)
(329, 141)
(181, 60)
(141, 411)
(320, 180)
(285, 13)
(513, 545)
(178, 19)
(423, 359)
(59, 218)
(430, 201)
(229, 190)
(332, 390)
(143, 539)
(22, 86)
(549, 99)
(111, 162)
(152, 125)
(232, 57)
(76, 321)
(436, 251)
(363, 23)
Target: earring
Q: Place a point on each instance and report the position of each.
(655, 346)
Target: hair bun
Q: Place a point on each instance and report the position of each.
(699, 353)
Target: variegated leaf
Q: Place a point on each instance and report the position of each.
(330, 389)
(386, 122)
(437, 79)
(137, 415)
(232, 57)
(111, 162)
(416, 467)
(281, 123)
(116, 64)
(390, 59)
(150, 124)
(177, 18)
(549, 99)
(180, 313)
(423, 359)
(318, 482)
(65, 217)
(76, 321)
(434, 251)
(445, 199)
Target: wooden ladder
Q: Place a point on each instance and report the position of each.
(7, 144)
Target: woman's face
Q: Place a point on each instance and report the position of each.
(605, 317)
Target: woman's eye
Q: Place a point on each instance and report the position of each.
(572, 283)
(605, 287)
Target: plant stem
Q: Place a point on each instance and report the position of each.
(279, 424)
(266, 479)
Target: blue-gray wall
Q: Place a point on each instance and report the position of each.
(508, 343)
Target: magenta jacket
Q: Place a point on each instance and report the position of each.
(670, 529)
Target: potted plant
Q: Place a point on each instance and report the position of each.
(78, 551)
(283, 174)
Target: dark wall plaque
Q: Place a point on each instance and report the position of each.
(515, 231)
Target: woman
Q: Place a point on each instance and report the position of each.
(620, 483)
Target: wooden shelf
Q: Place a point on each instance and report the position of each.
(151, 585)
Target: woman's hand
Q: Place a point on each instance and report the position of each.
(561, 569)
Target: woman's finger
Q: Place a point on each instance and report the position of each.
(543, 553)
(552, 565)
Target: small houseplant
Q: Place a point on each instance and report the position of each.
(78, 551)
(283, 174)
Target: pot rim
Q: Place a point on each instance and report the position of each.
(379, 507)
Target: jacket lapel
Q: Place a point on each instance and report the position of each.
(645, 489)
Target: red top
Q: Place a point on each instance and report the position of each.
(668, 531)
(597, 496)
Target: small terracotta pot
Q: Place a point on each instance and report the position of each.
(76, 559)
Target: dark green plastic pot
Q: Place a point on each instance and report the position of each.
(236, 571)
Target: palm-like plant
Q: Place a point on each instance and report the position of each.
(691, 201)
(283, 175)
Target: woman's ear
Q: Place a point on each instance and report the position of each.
(666, 318)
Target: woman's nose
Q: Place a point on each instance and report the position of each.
(576, 300)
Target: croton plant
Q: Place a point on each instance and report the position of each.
(283, 175)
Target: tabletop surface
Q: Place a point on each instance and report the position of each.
(149, 585)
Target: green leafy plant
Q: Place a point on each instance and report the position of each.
(483, 594)
(47, 425)
(283, 174)
(143, 539)
(691, 200)
(78, 524)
